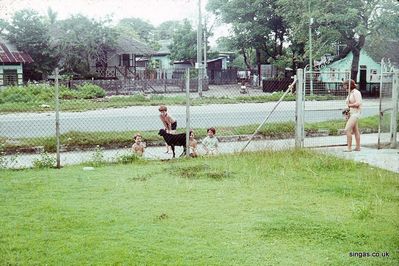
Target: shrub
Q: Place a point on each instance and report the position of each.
(14, 95)
(97, 158)
(127, 158)
(45, 161)
(90, 91)
(68, 94)
(29, 93)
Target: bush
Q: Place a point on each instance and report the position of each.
(45, 161)
(14, 95)
(68, 94)
(29, 93)
(90, 91)
(127, 158)
(39, 93)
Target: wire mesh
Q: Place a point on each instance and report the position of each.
(98, 118)
(324, 122)
(385, 110)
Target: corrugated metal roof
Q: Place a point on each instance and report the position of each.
(10, 54)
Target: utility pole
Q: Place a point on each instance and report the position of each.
(310, 53)
(199, 50)
(205, 52)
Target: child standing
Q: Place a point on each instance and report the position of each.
(210, 142)
(169, 123)
(138, 146)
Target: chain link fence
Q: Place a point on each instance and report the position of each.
(96, 123)
(97, 119)
(388, 106)
(324, 118)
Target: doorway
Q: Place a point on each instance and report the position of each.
(363, 78)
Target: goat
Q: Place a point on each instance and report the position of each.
(174, 140)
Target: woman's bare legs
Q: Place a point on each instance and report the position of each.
(349, 129)
(357, 135)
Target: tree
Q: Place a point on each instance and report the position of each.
(3, 25)
(255, 25)
(144, 30)
(166, 30)
(139, 29)
(80, 41)
(30, 33)
(384, 41)
(184, 43)
(70, 44)
(338, 22)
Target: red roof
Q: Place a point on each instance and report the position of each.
(7, 56)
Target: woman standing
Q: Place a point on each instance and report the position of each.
(354, 103)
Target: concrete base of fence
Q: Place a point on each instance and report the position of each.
(232, 146)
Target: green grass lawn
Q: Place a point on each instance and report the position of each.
(292, 207)
(32, 104)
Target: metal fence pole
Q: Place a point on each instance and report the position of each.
(380, 105)
(394, 116)
(199, 50)
(57, 119)
(299, 111)
(188, 112)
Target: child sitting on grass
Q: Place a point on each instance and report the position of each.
(138, 146)
(211, 143)
(193, 145)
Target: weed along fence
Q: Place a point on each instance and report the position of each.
(90, 123)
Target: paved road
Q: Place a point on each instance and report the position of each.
(140, 118)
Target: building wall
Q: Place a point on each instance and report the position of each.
(164, 61)
(19, 69)
(335, 72)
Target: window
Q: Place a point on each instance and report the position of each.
(10, 77)
(373, 75)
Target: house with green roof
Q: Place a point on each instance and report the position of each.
(368, 77)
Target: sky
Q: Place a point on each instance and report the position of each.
(153, 11)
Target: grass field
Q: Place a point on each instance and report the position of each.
(292, 207)
(35, 104)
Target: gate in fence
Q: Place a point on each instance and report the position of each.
(321, 123)
(388, 106)
(323, 120)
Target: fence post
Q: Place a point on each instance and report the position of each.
(299, 111)
(57, 119)
(187, 112)
(394, 116)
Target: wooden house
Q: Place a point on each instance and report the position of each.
(368, 77)
(11, 64)
(127, 60)
(162, 60)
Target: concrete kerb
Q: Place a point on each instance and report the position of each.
(386, 158)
